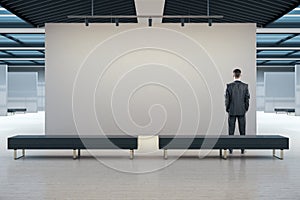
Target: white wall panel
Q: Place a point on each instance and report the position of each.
(3, 90)
(145, 80)
(22, 90)
(279, 90)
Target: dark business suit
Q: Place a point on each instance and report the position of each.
(237, 104)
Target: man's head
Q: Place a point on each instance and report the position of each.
(237, 73)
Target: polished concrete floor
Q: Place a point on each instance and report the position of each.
(54, 175)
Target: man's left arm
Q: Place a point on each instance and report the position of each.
(227, 99)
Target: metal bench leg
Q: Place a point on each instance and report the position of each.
(79, 154)
(281, 154)
(165, 154)
(131, 154)
(225, 154)
(16, 154)
(74, 154)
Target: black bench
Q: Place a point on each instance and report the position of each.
(74, 142)
(224, 142)
(285, 110)
(14, 110)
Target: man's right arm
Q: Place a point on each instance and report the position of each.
(247, 97)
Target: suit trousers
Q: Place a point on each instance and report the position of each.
(242, 126)
(241, 122)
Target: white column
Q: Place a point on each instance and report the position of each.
(297, 90)
(3, 90)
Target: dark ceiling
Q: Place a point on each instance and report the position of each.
(39, 12)
(262, 12)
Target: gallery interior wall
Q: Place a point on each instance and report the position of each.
(40, 84)
(279, 90)
(3, 90)
(22, 90)
(297, 90)
(145, 80)
(260, 83)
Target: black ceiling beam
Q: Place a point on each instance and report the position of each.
(33, 61)
(8, 53)
(40, 5)
(250, 7)
(39, 11)
(17, 41)
(262, 10)
(17, 14)
(264, 62)
(238, 11)
(13, 39)
(69, 6)
(54, 16)
(286, 39)
(19, 2)
(287, 10)
(56, 8)
(227, 12)
(4, 62)
(291, 53)
(62, 16)
(221, 5)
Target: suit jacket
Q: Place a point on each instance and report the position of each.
(237, 98)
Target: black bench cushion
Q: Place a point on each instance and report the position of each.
(223, 142)
(284, 109)
(16, 110)
(72, 142)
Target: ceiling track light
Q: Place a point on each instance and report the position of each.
(208, 13)
(86, 22)
(182, 22)
(182, 18)
(210, 22)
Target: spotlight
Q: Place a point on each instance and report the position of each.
(210, 22)
(182, 22)
(117, 21)
(150, 22)
(86, 21)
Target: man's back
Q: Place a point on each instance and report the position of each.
(237, 98)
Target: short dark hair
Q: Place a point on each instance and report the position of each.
(237, 73)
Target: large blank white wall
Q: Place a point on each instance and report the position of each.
(145, 80)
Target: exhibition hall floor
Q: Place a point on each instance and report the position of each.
(55, 175)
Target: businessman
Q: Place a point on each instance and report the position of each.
(237, 104)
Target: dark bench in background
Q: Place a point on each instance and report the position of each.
(224, 142)
(14, 110)
(73, 142)
(285, 110)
